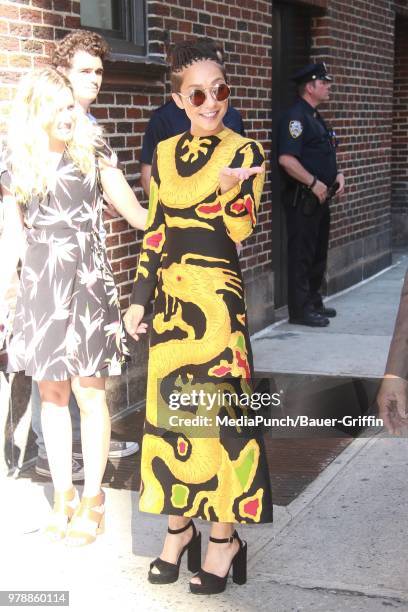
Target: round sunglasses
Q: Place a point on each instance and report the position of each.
(197, 97)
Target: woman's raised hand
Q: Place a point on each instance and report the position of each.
(133, 321)
(229, 177)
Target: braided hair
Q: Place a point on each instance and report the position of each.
(185, 53)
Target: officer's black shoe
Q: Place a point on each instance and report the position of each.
(311, 318)
(324, 311)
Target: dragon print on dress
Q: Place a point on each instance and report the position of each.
(199, 337)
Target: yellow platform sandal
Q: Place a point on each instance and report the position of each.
(65, 504)
(87, 522)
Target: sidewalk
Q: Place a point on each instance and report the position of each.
(354, 344)
(341, 545)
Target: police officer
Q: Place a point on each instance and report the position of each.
(307, 156)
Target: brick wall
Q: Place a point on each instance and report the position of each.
(356, 39)
(246, 33)
(246, 37)
(27, 31)
(400, 135)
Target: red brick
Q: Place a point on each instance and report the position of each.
(134, 141)
(19, 30)
(72, 22)
(119, 253)
(134, 113)
(31, 15)
(99, 112)
(42, 4)
(119, 226)
(43, 32)
(53, 18)
(116, 112)
(63, 5)
(124, 99)
(31, 46)
(105, 98)
(41, 62)
(128, 263)
(20, 61)
(8, 11)
(127, 237)
(159, 8)
(9, 77)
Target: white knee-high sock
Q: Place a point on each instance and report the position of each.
(57, 431)
(95, 436)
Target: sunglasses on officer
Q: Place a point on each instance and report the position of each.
(197, 97)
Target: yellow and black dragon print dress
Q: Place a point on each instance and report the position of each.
(194, 462)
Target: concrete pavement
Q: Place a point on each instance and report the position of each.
(354, 344)
(341, 545)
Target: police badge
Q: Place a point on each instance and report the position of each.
(295, 128)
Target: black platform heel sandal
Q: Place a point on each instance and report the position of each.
(211, 583)
(169, 572)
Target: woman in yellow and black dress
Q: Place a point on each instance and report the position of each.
(204, 195)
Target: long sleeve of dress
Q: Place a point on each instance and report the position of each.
(152, 246)
(241, 203)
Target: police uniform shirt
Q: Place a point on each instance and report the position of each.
(304, 134)
(170, 120)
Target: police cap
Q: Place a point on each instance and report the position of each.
(311, 72)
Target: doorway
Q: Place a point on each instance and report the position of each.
(291, 50)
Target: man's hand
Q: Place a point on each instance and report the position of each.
(133, 321)
(229, 177)
(320, 191)
(392, 404)
(340, 180)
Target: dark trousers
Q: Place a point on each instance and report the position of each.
(308, 239)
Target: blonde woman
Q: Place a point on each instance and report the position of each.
(68, 331)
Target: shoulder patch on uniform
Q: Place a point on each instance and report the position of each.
(295, 128)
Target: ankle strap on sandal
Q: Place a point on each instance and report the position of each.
(62, 498)
(97, 500)
(176, 531)
(225, 540)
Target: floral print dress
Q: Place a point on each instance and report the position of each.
(68, 321)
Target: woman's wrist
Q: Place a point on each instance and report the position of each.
(226, 196)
